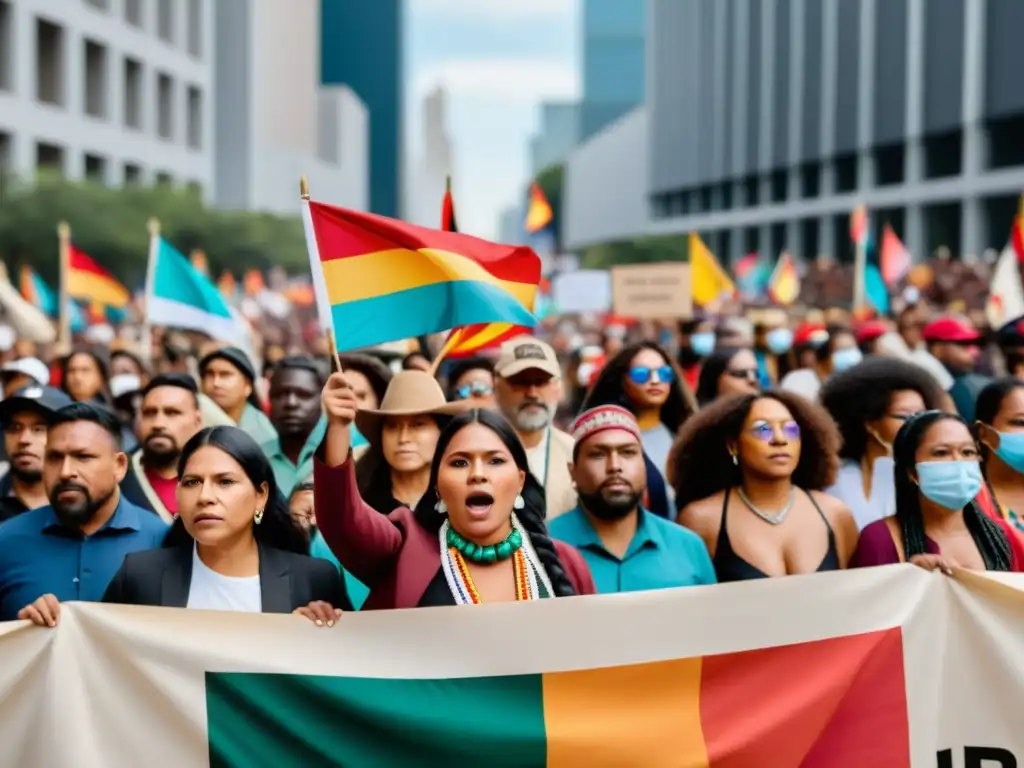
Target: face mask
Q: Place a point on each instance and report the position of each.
(1011, 450)
(702, 344)
(846, 358)
(950, 484)
(779, 341)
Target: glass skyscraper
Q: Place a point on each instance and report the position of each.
(614, 34)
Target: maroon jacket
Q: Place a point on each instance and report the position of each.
(393, 555)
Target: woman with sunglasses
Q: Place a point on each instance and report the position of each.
(644, 379)
(999, 428)
(749, 473)
(471, 381)
(727, 372)
(870, 402)
(938, 525)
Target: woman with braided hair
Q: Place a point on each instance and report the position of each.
(477, 535)
(938, 524)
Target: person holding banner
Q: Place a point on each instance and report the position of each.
(477, 535)
(749, 474)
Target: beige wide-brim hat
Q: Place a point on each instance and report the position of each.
(410, 393)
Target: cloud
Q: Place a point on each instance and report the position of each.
(496, 10)
(506, 80)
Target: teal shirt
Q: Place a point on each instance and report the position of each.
(289, 475)
(661, 555)
(357, 591)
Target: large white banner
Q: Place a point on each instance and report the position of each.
(874, 668)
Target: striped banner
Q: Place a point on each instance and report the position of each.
(882, 667)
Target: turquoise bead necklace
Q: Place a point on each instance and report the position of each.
(492, 553)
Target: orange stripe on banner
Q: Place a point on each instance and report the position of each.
(644, 714)
(836, 703)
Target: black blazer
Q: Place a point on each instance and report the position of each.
(162, 577)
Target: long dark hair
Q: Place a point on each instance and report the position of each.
(373, 473)
(608, 389)
(711, 371)
(989, 538)
(277, 529)
(103, 395)
(532, 514)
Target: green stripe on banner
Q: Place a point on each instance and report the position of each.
(285, 720)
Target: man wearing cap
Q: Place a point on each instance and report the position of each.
(23, 372)
(627, 548)
(527, 388)
(168, 418)
(229, 379)
(25, 417)
(956, 343)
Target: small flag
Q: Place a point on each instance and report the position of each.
(875, 290)
(859, 225)
(894, 258)
(708, 281)
(752, 275)
(90, 282)
(35, 291)
(538, 210)
(1017, 233)
(1006, 294)
(784, 283)
(448, 223)
(386, 280)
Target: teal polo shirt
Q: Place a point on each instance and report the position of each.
(289, 475)
(661, 555)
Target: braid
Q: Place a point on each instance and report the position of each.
(912, 530)
(990, 539)
(546, 551)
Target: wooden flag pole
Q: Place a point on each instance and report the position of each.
(64, 309)
(331, 340)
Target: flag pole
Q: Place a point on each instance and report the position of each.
(860, 263)
(153, 225)
(317, 273)
(64, 309)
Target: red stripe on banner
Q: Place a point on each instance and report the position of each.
(835, 703)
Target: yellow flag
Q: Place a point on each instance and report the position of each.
(708, 281)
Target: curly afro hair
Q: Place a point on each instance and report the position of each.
(699, 464)
(862, 394)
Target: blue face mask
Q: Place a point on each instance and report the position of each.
(950, 484)
(702, 344)
(1011, 450)
(843, 359)
(779, 341)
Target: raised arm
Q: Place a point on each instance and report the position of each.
(365, 542)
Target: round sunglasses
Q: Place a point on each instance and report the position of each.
(641, 374)
(765, 430)
(475, 389)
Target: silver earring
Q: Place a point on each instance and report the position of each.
(520, 502)
(258, 516)
(735, 460)
(441, 508)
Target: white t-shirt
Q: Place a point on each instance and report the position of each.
(802, 381)
(210, 591)
(849, 489)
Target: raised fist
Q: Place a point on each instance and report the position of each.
(339, 400)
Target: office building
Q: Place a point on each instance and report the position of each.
(119, 91)
(434, 164)
(361, 46)
(274, 121)
(614, 34)
(557, 135)
(770, 120)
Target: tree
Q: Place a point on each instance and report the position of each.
(642, 250)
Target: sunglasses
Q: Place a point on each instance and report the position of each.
(765, 431)
(743, 374)
(640, 374)
(476, 389)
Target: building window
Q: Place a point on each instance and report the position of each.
(50, 157)
(133, 12)
(132, 174)
(133, 94)
(96, 168)
(165, 20)
(95, 79)
(6, 49)
(165, 106)
(195, 117)
(164, 179)
(102, 5)
(49, 63)
(195, 28)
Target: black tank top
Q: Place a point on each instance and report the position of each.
(731, 567)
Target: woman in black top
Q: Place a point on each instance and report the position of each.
(748, 473)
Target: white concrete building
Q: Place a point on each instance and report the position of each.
(115, 90)
(434, 164)
(274, 121)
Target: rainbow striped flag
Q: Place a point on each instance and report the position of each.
(35, 291)
(90, 282)
(385, 280)
(784, 283)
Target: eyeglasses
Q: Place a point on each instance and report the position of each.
(475, 389)
(765, 430)
(641, 374)
(743, 374)
(904, 417)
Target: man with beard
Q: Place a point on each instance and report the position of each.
(168, 417)
(627, 548)
(71, 549)
(527, 388)
(25, 417)
(296, 414)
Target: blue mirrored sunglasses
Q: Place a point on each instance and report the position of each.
(476, 389)
(640, 374)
